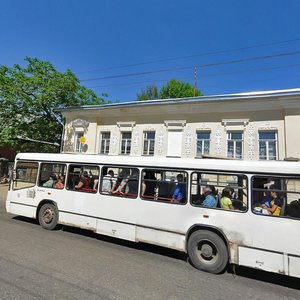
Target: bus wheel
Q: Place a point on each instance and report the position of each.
(48, 216)
(207, 251)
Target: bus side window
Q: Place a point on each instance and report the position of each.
(118, 181)
(276, 196)
(164, 186)
(26, 175)
(82, 178)
(219, 190)
(50, 173)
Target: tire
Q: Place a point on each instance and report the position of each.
(48, 216)
(207, 251)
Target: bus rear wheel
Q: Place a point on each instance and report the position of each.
(48, 216)
(207, 251)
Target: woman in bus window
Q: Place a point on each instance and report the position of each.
(225, 201)
(50, 183)
(60, 182)
(275, 204)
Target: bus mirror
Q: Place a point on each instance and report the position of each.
(14, 175)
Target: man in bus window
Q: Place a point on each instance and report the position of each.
(108, 182)
(179, 192)
(210, 198)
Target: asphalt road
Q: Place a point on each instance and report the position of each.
(78, 264)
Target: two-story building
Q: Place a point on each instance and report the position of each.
(255, 126)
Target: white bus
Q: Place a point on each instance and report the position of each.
(171, 202)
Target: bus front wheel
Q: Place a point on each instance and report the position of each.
(48, 216)
(207, 251)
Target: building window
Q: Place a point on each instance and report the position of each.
(126, 143)
(149, 142)
(267, 145)
(104, 142)
(235, 144)
(77, 143)
(203, 143)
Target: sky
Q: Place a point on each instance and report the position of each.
(120, 47)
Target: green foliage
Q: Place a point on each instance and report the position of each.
(173, 89)
(150, 93)
(27, 98)
(177, 89)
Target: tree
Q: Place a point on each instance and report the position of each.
(177, 89)
(27, 98)
(150, 93)
(173, 89)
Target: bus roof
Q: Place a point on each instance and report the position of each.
(246, 166)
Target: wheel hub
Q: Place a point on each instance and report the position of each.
(206, 251)
(48, 216)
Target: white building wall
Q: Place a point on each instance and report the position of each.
(215, 118)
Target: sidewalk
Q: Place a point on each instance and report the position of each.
(3, 191)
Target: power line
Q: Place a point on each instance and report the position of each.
(191, 56)
(186, 78)
(199, 66)
(136, 82)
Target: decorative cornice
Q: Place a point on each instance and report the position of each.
(130, 124)
(232, 122)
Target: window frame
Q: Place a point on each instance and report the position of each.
(106, 142)
(80, 166)
(164, 200)
(106, 168)
(149, 141)
(64, 169)
(234, 141)
(278, 177)
(78, 147)
(202, 141)
(267, 142)
(15, 179)
(127, 149)
(246, 188)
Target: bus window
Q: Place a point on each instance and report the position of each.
(83, 178)
(119, 181)
(164, 185)
(26, 174)
(276, 196)
(217, 190)
(51, 174)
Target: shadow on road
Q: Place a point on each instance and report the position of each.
(255, 274)
(239, 271)
(139, 246)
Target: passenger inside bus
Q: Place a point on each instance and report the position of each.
(119, 186)
(149, 185)
(275, 204)
(60, 182)
(225, 201)
(179, 193)
(84, 181)
(108, 181)
(50, 182)
(133, 183)
(210, 200)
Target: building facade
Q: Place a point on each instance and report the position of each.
(252, 126)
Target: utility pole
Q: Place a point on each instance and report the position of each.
(195, 79)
